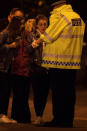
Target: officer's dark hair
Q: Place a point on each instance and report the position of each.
(53, 1)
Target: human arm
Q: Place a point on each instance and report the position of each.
(54, 30)
(30, 42)
(14, 44)
(3, 37)
(11, 45)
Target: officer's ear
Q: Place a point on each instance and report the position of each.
(9, 17)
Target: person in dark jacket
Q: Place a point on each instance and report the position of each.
(21, 84)
(39, 75)
(20, 80)
(9, 42)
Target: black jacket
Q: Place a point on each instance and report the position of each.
(85, 34)
(34, 53)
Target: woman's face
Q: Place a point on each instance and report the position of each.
(42, 25)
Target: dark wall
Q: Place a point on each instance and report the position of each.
(80, 6)
(4, 8)
(31, 6)
(7, 5)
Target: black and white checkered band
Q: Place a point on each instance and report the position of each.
(61, 63)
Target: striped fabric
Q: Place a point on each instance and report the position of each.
(61, 63)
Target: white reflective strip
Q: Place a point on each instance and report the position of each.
(70, 28)
(62, 56)
(73, 36)
(48, 37)
(77, 36)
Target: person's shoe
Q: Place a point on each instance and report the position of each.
(5, 119)
(12, 120)
(38, 121)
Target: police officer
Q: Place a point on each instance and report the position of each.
(62, 55)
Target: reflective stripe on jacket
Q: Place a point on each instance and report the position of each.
(64, 38)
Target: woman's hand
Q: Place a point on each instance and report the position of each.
(39, 41)
(34, 44)
(12, 45)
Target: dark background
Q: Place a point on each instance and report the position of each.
(33, 7)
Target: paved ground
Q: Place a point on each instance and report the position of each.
(80, 108)
(80, 120)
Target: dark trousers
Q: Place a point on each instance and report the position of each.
(4, 92)
(40, 90)
(63, 95)
(20, 106)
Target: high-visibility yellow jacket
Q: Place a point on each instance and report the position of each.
(64, 38)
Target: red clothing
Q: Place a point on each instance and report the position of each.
(20, 65)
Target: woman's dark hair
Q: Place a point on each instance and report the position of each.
(40, 17)
(14, 28)
(14, 10)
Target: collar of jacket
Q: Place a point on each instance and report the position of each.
(62, 8)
